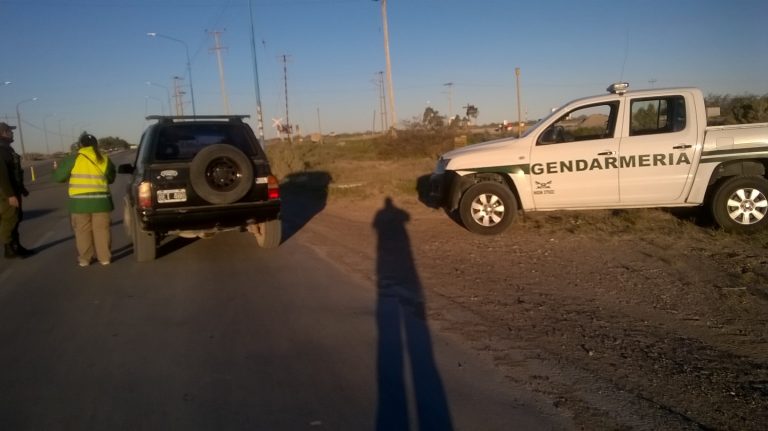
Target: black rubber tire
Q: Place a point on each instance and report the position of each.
(221, 174)
(487, 208)
(127, 218)
(269, 233)
(740, 204)
(144, 243)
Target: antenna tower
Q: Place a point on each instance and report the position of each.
(288, 126)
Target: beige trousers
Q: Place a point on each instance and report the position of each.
(92, 234)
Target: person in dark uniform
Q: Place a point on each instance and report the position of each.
(11, 191)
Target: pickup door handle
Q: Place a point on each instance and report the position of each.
(605, 153)
(681, 147)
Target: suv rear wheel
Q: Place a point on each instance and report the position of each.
(268, 233)
(144, 242)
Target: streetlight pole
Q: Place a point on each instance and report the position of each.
(189, 65)
(167, 93)
(18, 121)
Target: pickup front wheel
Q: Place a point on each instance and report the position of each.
(741, 204)
(487, 208)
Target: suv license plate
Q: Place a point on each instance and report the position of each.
(175, 195)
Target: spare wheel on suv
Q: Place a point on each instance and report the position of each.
(221, 174)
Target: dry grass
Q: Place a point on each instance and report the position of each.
(355, 169)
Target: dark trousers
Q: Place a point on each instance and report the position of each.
(10, 217)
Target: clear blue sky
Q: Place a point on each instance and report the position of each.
(88, 61)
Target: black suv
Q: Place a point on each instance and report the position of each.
(195, 176)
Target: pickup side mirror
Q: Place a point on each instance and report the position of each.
(553, 135)
(125, 168)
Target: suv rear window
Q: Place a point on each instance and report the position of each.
(181, 142)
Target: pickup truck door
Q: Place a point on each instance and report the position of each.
(568, 159)
(657, 151)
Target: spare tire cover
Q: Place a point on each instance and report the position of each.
(221, 174)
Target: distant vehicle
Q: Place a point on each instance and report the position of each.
(195, 176)
(626, 149)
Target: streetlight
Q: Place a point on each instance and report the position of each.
(189, 64)
(18, 121)
(45, 131)
(167, 93)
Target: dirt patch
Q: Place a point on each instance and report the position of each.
(624, 319)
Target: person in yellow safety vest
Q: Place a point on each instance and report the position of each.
(89, 173)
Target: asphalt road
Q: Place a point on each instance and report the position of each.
(218, 334)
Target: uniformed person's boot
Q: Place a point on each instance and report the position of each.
(20, 250)
(10, 253)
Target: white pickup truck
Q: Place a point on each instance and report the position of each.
(625, 149)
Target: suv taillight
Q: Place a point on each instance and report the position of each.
(144, 197)
(273, 188)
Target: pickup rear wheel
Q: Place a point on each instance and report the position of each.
(221, 174)
(487, 208)
(740, 204)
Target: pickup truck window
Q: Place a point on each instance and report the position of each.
(657, 115)
(582, 124)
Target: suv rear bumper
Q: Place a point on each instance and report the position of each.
(209, 218)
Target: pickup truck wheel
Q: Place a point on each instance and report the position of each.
(487, 208)
(268, 233)
(221, 174)
(144, 243)
(741, 204)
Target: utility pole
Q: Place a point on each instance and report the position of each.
(382, 103)
(222, 81)
(259, 114)
(178, 95)
(390, 89)
(519, 113)
(288, 126)
(319, 125)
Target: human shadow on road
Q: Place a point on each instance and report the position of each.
(403, 334)
(303, 195)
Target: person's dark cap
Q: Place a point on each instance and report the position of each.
(88, 140)
(4, 127)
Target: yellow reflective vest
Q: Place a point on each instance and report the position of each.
(88, 175)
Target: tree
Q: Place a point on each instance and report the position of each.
(113, 143)
(432, 118)
(748, 108)
(472, 112)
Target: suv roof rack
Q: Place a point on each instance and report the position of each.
(171, 118)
